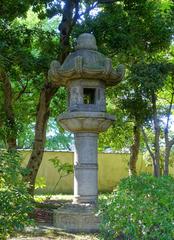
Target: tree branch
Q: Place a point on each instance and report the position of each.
(76, 15)
(24, 87)
(87, 11)
(147, 145)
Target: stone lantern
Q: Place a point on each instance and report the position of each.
(85, 73)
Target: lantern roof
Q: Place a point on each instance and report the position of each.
(85, 63)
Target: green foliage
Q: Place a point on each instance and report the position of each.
(40, 183)
(141, 207)
(120, 129)
(144, 79)
(132, 27)
(149, 77)
(25, 54)
(11, 9)
(63, 169)
(15, 202)
(57, 138)
(148, 161)
(137, 33)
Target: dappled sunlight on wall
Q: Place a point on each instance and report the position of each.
(112, 167)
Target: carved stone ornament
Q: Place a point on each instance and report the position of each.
(85, 63)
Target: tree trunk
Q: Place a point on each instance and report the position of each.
(168, 143)
(65, 27)
(134, 150)
(68, 21)
(156, 154)
(42, 116)
(11, 132)
(156, 162)
(148, 147)
(168, 147)
(166, 159)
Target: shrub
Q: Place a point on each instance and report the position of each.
(15, 202)
(63, 169)
(141, 207)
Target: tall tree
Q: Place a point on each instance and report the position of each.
(152, 80)
(10, 124)
(130, 32)
(69, 18)
(15, 41)
(22, 69)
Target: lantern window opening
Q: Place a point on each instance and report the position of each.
(89, 95)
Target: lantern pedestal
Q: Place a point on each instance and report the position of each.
(76, 218)
(86, 127)
(85, 168)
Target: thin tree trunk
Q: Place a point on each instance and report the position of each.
(168, 143)
(157, 136)
(147, 146)
(11, 133)
(69, 18)
(134, 150)
(166, 157)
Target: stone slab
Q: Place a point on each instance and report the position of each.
(76, 218)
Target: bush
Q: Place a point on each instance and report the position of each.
(15, 202)
(139, 208)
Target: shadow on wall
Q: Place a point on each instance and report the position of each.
(112, 167)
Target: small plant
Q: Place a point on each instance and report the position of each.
(63, 169)
(141, 207)
(40, 183)
(15, 202)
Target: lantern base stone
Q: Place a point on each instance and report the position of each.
(76, 218)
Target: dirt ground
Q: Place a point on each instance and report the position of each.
(59, 236)
(47, 232)
(43, 232)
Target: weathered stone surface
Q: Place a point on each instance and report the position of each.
(76, 95)
(86, 41)
(76, 218)
(86, 73)
(85, 63)
(86, 121)
(85, 168)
